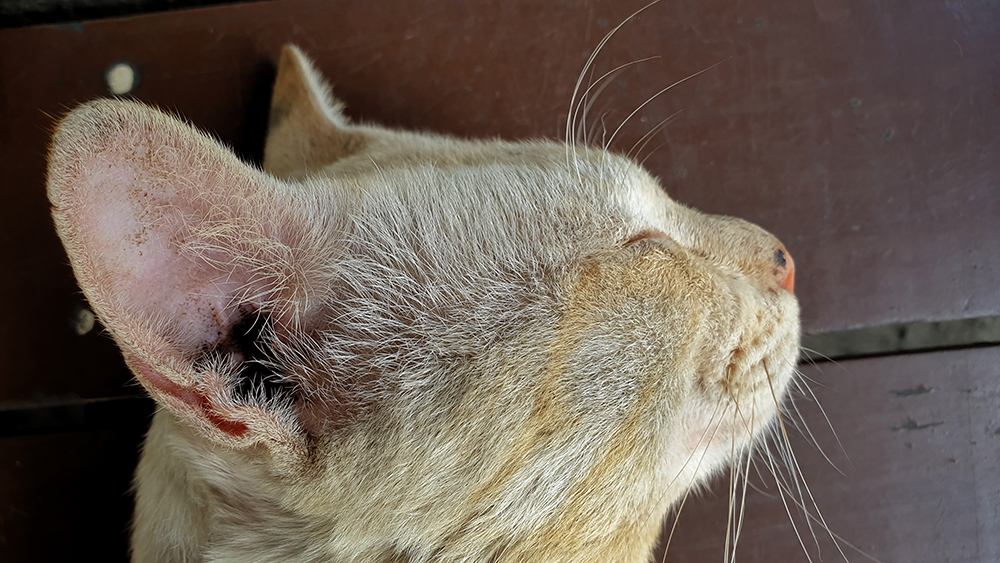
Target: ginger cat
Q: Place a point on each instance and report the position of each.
(391, 346)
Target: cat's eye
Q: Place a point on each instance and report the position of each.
(645, 234)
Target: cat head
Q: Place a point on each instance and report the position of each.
(427, 344)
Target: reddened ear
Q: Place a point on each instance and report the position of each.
(195, 262)
(306, 128)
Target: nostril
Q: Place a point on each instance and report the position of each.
(785, 269)
(779, 258)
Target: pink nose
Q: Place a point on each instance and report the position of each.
(785, 270)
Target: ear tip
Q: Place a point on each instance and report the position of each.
(299, 82)
(292, 60)
(291, 50)
(84, 130)
(72, 137)
(99, 113)
(93, 123)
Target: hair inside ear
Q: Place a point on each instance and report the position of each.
(307, 129)
(193, 260)
(261, 378)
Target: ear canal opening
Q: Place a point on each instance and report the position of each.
(260, 378)
(190, 258)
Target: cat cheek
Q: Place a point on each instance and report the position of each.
(708, 435)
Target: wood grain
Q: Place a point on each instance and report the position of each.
(862, 134)
(919, 440)
(919, 436)
(65, 497)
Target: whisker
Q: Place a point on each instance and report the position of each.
(746, 480)
(812, 438)
(604, 81)
(652, 152)
(732, 485)
(571, 116)
(821, 356)
(794, 473)
(808, 379)
(677, 518)
(800, 479)
(836, 537)
(784, 447)
(656, 95)
(830, 425)
(760, 476)
(784, 502)
(593, 129)
(649, 135)
(687, 491)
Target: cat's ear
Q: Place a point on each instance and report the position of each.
(307, 129)
(194, 261)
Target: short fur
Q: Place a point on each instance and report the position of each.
(391, 346)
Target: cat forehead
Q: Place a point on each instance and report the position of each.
(535, 179)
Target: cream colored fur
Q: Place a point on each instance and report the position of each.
(392, 346)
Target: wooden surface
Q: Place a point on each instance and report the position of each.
(863, 134)
(64, 496)
(920, 437)
(864, 137)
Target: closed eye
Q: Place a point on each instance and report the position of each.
(645, 234)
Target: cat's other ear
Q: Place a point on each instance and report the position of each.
(194, 261)
(306, 128)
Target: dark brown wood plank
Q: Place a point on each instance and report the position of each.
(863, 134)
(922, 483)
(21, 13)
(64, 497)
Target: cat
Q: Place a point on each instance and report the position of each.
(395, 346)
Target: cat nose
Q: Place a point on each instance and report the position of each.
(784, 270)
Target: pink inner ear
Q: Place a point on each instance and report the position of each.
(135, 214)
(139, 199)
(188, 396)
